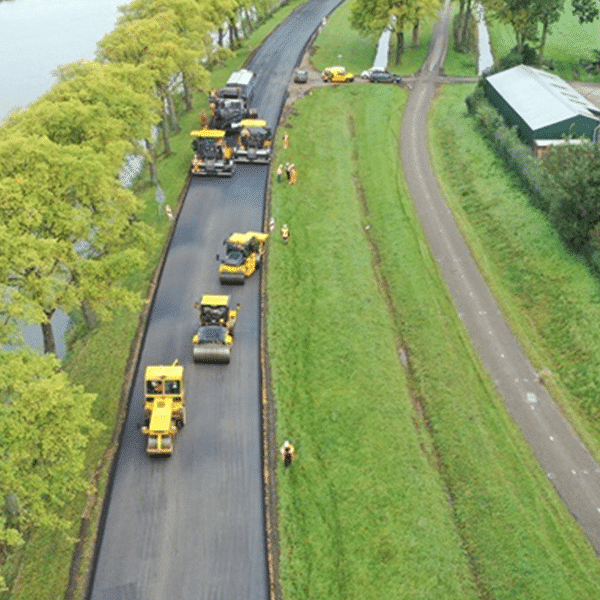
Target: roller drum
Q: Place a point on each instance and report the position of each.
(212, 353)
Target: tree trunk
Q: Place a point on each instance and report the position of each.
(543, 41)
(173, 120)
(48, 335)
(152, 172)
(89, 314)
(164, 126)
(233, 34)
(415, 33)
(399, 44)
(187, 96)
(220, 37)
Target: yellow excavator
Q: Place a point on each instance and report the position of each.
(164, 406)
(243, 256)
(213, 341)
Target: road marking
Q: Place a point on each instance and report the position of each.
(531, 397)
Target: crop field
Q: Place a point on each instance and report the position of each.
(410, 478)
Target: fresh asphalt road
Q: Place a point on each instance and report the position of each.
(562, 456)
(191, 527)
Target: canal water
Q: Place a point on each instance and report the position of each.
(36, 36)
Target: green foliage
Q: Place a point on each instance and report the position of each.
(518, 157)
(47, 421)
(576, 169)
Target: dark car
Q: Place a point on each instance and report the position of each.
(300, 77)
(384, 77)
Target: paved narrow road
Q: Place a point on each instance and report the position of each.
(567, 463)
(191, 527)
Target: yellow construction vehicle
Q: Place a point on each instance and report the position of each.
(164, 406)
(212, 155)
(243, 255)
(254, 142)
(337, 75)
(214, 338)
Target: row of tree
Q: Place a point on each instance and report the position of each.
(531, 20)
(70, 233)
(527, 17)
(373, 16)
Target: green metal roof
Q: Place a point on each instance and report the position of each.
(541, 99)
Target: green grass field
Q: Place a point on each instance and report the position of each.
(422, 462)
(567, 43)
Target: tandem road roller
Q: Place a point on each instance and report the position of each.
(214, 338)
(164, 406)
(243, 255)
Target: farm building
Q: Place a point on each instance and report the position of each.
(544, 108)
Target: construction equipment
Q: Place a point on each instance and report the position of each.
(214, 339)
(227, 113)
(212, 155)
(254, 142)
(243, 255)
(337, 74)
(240, 84)
(164, 406)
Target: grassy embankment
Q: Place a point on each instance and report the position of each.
(409, 482)
(548, 294)
(97, 360)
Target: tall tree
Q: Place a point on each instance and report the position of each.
(193, 22)
(372, 16)
(576, 169)
(46, 424)
(585, 10)
(520, 14)
(155, 44)
(59, 199)
(547, 12)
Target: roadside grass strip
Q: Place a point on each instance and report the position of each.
(408, 482)
(549, 296)
(363, 512)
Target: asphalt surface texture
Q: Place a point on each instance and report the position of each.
(567, 463)
(192, 526)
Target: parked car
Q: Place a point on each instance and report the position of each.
(337, 75)
(384, 77)
(300, 76)
(365, 74)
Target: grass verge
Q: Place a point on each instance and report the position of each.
(408, 482)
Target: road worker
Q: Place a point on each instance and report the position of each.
(288, 453)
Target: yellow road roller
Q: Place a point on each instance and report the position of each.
(213, 341)
(164, 406)
(243, 256)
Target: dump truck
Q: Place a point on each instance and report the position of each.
(240, 84)
(254, 142)
(243, 255)
(164, 407)
(212, 156)
(213, 341)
